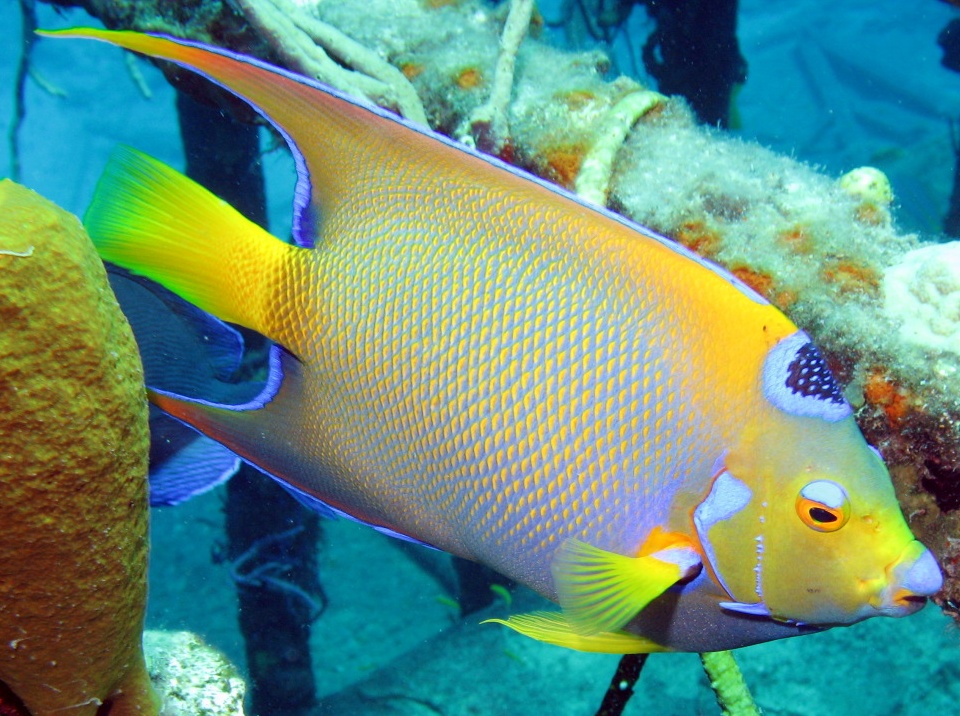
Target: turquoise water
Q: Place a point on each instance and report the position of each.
(839, 87)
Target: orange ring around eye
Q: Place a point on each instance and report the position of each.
(820, 517)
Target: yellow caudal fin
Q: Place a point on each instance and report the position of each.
(553, 628)
(155, 222)
(601, 591)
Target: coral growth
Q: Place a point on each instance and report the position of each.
(195, 679)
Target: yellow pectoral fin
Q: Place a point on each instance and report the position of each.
(553, 628)
(601, 591)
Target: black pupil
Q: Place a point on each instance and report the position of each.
(818, 514)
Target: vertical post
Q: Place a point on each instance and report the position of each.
(271, 538)
(28, 18)
(622, 684)
(694, 53)
(949, 41)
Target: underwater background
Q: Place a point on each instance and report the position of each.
(839, 87)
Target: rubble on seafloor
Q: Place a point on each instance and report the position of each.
(192, 678)
(826, 251)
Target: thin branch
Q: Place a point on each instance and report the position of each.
(487, 126)
(133, 69)
(270, 574)
(733, 695)
(593, 179)
(304, 42)
(28, 13)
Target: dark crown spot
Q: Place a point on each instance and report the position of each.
(809, 376)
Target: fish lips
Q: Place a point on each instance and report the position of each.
(911, 579)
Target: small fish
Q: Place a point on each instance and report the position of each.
(474, 359)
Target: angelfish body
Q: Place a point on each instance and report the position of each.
(478, 361)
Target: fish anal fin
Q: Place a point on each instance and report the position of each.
(600, 591)
(553, 628)
(258, 431)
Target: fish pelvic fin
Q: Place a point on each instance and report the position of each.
(601, 591)
(553, 628)
(154, 221)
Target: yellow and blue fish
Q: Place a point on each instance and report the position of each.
(474, 359)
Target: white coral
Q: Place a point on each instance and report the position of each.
(922, 292)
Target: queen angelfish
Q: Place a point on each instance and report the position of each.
(474, 359)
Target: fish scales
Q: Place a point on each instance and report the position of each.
(498, 344)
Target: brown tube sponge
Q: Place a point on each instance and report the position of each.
(73, 466)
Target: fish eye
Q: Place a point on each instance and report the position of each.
(823, 506)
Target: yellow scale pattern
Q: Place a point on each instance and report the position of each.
(512, 385)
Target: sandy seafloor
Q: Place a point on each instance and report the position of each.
(856, 83)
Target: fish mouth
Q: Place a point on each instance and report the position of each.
(911, 579)
(910, 601)
(900, 604)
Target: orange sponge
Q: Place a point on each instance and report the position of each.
(73, 466)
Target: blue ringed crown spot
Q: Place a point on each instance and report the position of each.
(797, 380)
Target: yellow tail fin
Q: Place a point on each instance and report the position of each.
(155, 222)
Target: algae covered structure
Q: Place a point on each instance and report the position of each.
(73, 465)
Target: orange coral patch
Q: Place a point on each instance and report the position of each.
(760, 282)
(880, 391)
(411, 70)
(785, 299)
(796, 239)
(871, 214)
(563, 164)
(848, 276)
(537, 22)
(469, 78)
(698, 237)
(508, 152)
(576, 99)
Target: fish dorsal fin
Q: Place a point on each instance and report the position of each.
(342, 146)
(601, 591)
(355, 160)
